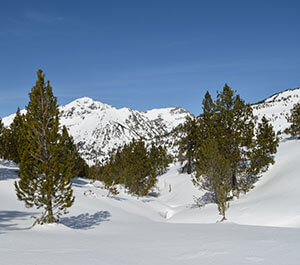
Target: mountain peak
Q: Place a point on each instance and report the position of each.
(88, 103)
(82, 107)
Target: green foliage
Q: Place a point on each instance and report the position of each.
(14, 138)
(188, 143)
(294, 119)
(80, 167)
(228, 153)
(135, 166)
(46, 164)
(234, 132)
(213, 173)
(261, 156)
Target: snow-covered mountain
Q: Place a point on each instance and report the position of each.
(277, 107)
(98, 128)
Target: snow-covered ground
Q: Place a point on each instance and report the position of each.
(263, 226)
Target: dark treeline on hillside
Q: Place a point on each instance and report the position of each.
(224, 149)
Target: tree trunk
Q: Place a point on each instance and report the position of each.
(233, 180)
(189, 166)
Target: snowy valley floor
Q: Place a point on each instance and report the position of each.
(263, 226)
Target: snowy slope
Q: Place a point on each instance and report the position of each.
(277, 107)
(263, 226)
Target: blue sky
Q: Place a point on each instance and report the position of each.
(148, 54)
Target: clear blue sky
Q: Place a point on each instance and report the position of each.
(148, 54)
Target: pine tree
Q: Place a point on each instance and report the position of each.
(15, 138)
(159, 158)
(188, 143)
(230, 153)
(136, 166)
(141, 175)
(262, 153)
(234, 132)
(80, 166)
(294, 119)
(45, 166)
(213, 174)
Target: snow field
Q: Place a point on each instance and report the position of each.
(262, 227)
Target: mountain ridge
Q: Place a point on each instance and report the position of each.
(99, 128)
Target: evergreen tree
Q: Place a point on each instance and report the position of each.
(159, 158)
(261, 155)
(230, 153)
(188, 143)
(142, 175)
(213, 174)
(209, 109)
(294, 119)
(45, 167)
(15, 138)
(80, 166)
(135, 166)
(234, 131)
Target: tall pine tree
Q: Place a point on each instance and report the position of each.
(231, 154)
(45, 166)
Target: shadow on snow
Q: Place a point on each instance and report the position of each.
(8, 218)
(8, 170)
(86, 221)
(80, 183)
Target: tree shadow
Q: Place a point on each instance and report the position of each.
(86, 221)
(290, 138)
(80, 183)
(8, 173)
(118, 198)
(8, 218)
